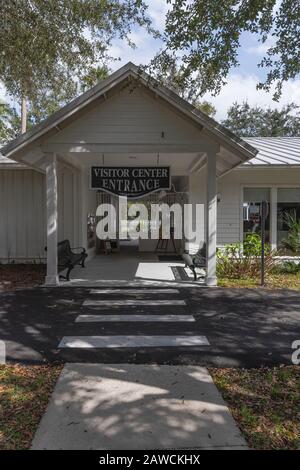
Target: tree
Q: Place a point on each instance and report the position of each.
(50, 101)
(94, 76)
(46, 104)
(46, 47)
(247, 121)
(204, 36)
(170, 75)
(9, 123)
(206, 107)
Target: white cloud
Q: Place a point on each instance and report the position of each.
(157, 11)
(243, 88)
(146, 45)
(258, 50)
(261, 48)
(142, 54)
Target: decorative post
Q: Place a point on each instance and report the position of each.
(263, 216)
(273, 221)
(52, 278)
(211, 220)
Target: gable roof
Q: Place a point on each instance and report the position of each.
(130, 70)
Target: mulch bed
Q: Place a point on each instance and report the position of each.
(17, 276)
(24, 394)
(265, 403)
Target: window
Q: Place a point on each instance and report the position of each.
(253, 198)
(288, 202)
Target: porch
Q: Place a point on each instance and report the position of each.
(131, 267)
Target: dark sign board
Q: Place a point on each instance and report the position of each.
(133, 182)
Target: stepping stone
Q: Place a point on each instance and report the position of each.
(133, 302)
(134, 291)
(134, 318)
(133, 341)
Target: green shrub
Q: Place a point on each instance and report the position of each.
(288, 267)
(242, 260)
(252, 245)
(292, 241)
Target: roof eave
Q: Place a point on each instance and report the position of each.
(100, 89)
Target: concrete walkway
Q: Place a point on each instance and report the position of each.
(122, 406)
(129, 267)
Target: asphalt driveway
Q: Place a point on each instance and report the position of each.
(245, 327)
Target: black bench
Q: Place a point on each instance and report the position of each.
(67, 258)
(195, 261)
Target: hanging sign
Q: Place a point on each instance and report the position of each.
(133, 182)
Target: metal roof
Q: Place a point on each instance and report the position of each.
(274, 151)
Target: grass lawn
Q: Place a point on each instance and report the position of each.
(24, 394)
(273, 281)
(265, 403)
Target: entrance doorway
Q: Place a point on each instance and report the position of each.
(147, 243)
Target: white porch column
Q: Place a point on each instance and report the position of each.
(211, 219)
(273, 218)
(52, 278)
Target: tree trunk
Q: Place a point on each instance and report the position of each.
(23, 115)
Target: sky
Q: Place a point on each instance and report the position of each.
(241, 82)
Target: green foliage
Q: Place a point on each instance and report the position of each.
(252, 245)
(247, 121)
(242, 260)
(50, 101)
(170, 74)
(206, 107)
(292, 242)
(94, 76)
(288, 267)
(205, 37)
(48, 47)
(9, 123)
(45, 104)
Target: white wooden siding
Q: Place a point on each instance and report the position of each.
(130, 118)
(69, 220)
(23, 213)
(230, 190)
